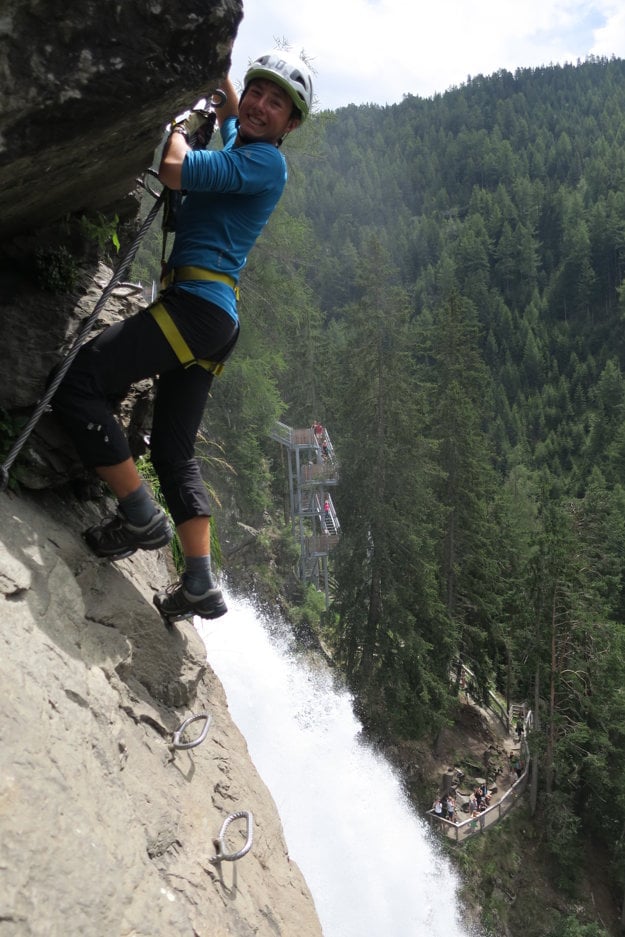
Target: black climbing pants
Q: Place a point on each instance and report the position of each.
(131, 351)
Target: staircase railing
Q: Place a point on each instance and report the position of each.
(313, 469)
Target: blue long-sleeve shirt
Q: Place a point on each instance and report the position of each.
(231, 194)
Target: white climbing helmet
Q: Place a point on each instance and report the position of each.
(289, 72)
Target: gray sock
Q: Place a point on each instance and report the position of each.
(138, 507)
(197, 574)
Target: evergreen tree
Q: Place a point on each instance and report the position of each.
(460, 408)
(386, 601)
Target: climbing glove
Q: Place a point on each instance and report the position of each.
(196, 124)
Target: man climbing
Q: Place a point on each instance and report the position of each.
(229, 197)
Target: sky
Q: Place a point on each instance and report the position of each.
(376, 51)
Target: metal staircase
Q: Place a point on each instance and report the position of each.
(312, 471)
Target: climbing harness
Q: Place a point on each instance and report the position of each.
(180, 274)
(167, 199)
(221, 854)
(174, 336)
(177, 744)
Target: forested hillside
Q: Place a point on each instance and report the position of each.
(469, 257)
(442, 286)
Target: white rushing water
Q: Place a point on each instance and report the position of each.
(367, 858)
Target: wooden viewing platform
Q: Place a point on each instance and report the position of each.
(313, 470)
(509, 789)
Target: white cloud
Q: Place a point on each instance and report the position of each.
(609, 39)
(375, 51)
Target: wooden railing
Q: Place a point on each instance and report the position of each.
(320, 544)
(463, 830)
(315, 472)
(292, 437)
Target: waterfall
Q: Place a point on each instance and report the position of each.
(368, 859)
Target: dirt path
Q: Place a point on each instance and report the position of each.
(475, 748)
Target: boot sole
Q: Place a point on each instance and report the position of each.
(124, 553)
(170, 619)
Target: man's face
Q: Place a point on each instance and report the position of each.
(265, 112)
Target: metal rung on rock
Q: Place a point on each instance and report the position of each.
(222, 855)
(198, 741)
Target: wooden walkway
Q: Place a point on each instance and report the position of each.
(509, 788)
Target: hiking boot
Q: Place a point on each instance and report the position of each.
(117, 538)
(176, 603)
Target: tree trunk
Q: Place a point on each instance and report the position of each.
(534, 775)
(551, 742)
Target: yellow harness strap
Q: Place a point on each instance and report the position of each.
(199, 273)
(183, 353)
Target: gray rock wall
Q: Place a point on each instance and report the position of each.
(85, 91)
(104, 829)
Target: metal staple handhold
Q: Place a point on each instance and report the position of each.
(198, 741)
(127, 289)
(219, 843)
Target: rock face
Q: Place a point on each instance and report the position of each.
(86, 90)
(104, 827)
(35, 341)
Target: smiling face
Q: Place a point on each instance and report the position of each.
(265, 112)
